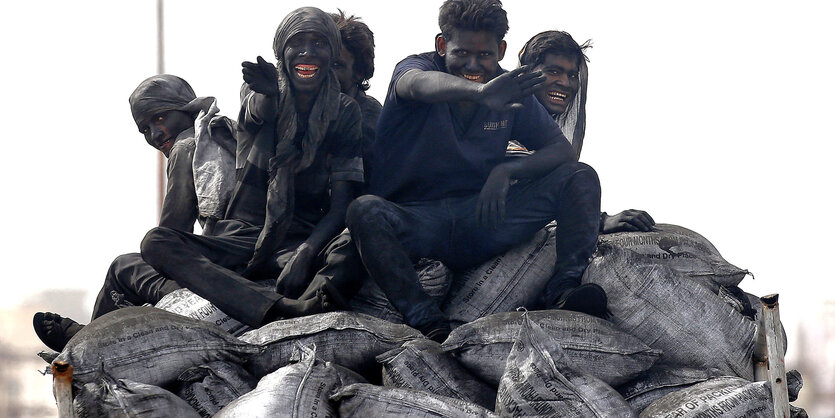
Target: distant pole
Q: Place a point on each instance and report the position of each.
(160, 70)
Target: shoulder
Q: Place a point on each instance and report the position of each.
(427, 61)
(369, 106)
(185, 143)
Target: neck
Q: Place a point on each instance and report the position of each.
(304, 102)
(352, 91)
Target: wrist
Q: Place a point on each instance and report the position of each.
(603, 217)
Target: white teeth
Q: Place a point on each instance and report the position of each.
(472, 77)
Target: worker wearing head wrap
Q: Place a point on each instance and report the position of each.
(297, 160)
(200, 146)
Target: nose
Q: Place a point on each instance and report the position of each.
(308, 50)
(156, 135)
(472, 64)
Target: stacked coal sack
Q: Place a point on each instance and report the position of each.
(539, 380)
(185, 302)
(132, 362)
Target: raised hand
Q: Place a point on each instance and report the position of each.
(261, 76)
(503, 92)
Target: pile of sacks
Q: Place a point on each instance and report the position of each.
(679, 343)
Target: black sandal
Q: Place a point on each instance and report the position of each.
(57, 336)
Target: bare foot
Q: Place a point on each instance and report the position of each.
(54, 330)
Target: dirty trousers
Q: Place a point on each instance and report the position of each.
(390, 237)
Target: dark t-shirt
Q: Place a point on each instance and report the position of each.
(424, 152)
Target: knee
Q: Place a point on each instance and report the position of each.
(122, 263)
(575, 175)
(364, 210)
(154, 244)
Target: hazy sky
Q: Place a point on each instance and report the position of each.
(709, 114)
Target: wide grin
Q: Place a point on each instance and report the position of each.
(557, 96)
(306, 70)
(476, 78)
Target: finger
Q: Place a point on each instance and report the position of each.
(501, 212)
(528, 76)
(623, 226)
(532, 81)
(639, 223)
(649, 219)
(516, 72)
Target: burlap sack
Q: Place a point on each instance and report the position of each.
(300, 389)
(349, 339)
(680, 249)
(541, 381)
(363, 400)
(516, 278)
(434, 276)
(693, 326)
(149, 345)
(592, 344)
(423, 365)
(184, 302)
(211, 387)
(119, 398)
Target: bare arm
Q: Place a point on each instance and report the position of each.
(491, 200)
(501, 93)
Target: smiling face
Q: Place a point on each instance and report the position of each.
(161, 129)
(471, 55)
(307, 58)
(562, 82)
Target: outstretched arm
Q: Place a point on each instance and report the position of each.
(500, 94)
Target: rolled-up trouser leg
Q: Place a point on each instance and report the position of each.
(130, 279)
(379, 229)
(205, 266)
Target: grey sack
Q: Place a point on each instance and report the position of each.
(148, 345)
(692, 325)
(211, 387)
(349, 339)
(540, 381)
(108, 397)
(363, 401)
(680, 249)
(301, 389)
(592, 344)
(423, 365)
(506, 282)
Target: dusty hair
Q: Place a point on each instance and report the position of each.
(358, 39)
(473, 15)
(552, 42)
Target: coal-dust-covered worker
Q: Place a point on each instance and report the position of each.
(200, 146)
(298, 162)
(563, 62)
(440, 187)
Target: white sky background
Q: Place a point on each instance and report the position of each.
(710, 115)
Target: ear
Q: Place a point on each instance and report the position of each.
(502, 49)
(440, 44)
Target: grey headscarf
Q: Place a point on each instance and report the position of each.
(214, 157)
(287, 159)
(573, 120)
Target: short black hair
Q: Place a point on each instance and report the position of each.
(473, 15)
(358, 39)
(552, 42)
